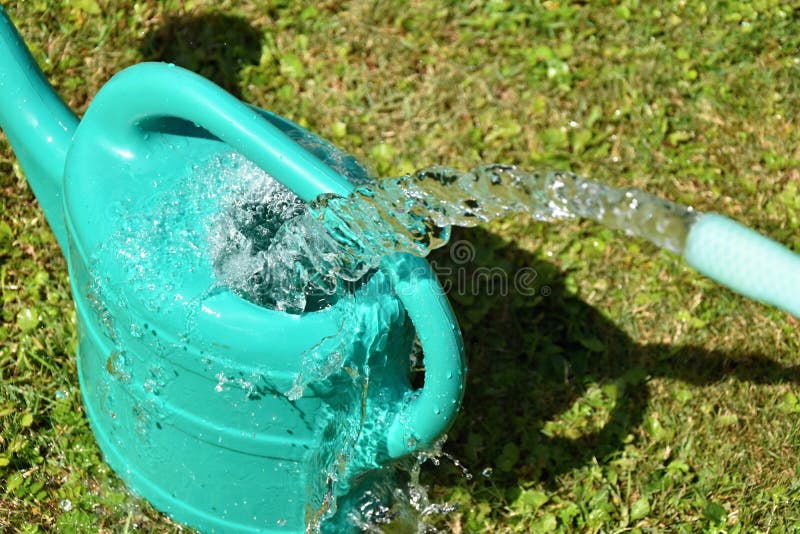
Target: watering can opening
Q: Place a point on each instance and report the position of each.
(249, 209)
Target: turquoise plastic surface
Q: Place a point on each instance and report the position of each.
(745, 261)
(199, 424)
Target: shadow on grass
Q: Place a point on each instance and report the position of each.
(531, 357)
(213, 45)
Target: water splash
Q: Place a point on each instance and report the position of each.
(401, 502)
(336, 240)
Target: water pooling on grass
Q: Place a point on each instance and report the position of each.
(232, 223)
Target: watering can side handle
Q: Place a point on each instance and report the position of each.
(745, 261)
(430, 410)
(155, 90)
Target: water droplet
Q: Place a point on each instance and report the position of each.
(65, 504)
(221, 381)
(135, 331)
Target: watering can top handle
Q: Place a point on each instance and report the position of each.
(154, 90)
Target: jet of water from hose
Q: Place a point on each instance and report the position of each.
(336, 239)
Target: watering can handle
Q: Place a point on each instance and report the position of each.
(156, 90)
(430, 410)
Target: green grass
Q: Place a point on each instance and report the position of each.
(629, 394)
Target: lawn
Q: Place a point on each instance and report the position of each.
(627, 394)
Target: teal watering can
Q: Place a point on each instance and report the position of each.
(158, 395)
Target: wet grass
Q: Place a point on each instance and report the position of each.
(625, 394)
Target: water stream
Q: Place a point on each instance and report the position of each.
(337, 240)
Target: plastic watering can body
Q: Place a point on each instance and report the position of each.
(203, 428)
(189, 404)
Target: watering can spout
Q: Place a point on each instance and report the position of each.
(36, 122)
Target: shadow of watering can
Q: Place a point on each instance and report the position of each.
(215, 458)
